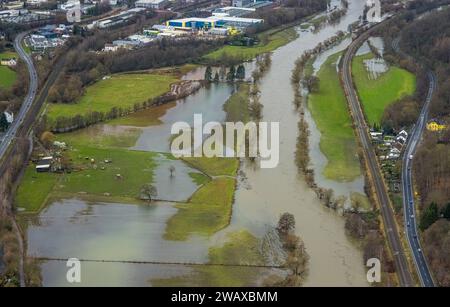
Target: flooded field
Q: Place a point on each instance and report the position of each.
(129, 240)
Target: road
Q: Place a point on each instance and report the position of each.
(14, 131)
(395, 244)
(29, 98)
(408, 193)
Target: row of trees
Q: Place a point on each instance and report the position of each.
(230, 76)
(296, 256)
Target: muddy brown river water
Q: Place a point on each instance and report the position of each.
(74, 228)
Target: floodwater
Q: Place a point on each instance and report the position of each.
(334, 260)
(114, 232)
(208, 101)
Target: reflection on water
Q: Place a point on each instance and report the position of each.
(176, 187)
(208, 101)
(334, 260)
(199, 72)
(111, 274)
(101, 231)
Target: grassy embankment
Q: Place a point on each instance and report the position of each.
(241, 248)
(268, 41)
(7, 75)
(237, 107)
(329, 109)
(120, 91)
(208, 211)
(377, 94)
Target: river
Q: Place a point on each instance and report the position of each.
(74, 228)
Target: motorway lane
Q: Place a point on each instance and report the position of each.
(401, 263)
(408, 192)
(28, 101)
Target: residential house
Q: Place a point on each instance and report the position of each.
(8, 62)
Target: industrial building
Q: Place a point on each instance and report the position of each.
(117, 19)
(152, 4)
(233, 11)
(195, 23)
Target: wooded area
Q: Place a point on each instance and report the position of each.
(428, 40)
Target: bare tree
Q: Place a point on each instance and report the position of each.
(148, 192)
(286, 224)
(172, 171)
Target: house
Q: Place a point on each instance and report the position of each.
(403, 134)
(9, 62)
(35, 2)
(401, 139)
(436, 125)
(110, 48)
(13, 5)
(376, 136)
(9, 117)
(128, 44)
(44, 164)
(395, 150)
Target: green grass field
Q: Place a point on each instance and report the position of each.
(329, 110)
(34, 189)
(144, 118)
(101, 136)
(237, 105)
(377, 94)
(122, 90)
(89, 179)
(215, 166)
(135, 168)
(241, 247)
(269, 41)
(7, 75)
(208, 211)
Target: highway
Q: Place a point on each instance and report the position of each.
(374, 172)
(408, 192)
(29, 98)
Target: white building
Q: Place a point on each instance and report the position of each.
(9, 117)
(9, 13)
(69, 5)
(152, 4)
(9, 62)
(36, 2)
(110, 48)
